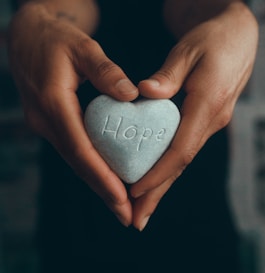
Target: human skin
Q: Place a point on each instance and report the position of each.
(213, 61)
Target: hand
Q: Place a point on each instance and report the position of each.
(49, 57)
(213, 62)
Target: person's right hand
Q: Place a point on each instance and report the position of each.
(49, 58)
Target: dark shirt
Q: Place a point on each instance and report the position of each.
(191, 229)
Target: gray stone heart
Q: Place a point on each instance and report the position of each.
(131, 137)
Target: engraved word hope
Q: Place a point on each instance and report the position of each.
(131, 132)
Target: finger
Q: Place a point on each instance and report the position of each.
(144, 206)
(186, 144)
(78, 151)
(204, 101)
(223, 117)
(166, 82)
(103, 73)
(62, 124)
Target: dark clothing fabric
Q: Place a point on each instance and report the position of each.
(191, 230)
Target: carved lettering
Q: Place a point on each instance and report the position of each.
(147, 133)
(160, 134)
(114, 130)
(132, 132)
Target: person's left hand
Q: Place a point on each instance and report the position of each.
(213, 62)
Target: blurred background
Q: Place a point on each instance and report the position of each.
(19, 166)
(18, 170)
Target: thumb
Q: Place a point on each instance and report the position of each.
(167, 81)
(103, 73)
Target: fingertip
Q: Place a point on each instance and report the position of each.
(125, 221)
(125, 90)
(149, 88)
(142, 223)
(154, 89)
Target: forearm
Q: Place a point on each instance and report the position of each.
(82, 13)
(182, 16)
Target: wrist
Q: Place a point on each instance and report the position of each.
(82, 14)
(181, 16)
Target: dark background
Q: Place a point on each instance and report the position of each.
(19, 175)
(19, 182)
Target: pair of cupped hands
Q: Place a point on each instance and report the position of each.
(51, 57)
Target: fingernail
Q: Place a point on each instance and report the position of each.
(153, 83)
(144, 223)
(124, 86)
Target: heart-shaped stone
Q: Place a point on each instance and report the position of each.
(131, 137)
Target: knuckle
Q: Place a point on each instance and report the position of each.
(167, 74)
(220, 107)
(219, 101)
(97, 64)
(113, 200)
(225, 119)
(186, 53)
(105, 67)
(186, 159)
(175, 176)
(86, 45)
(83, 50)
(185, 50)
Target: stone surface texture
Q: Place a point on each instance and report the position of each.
(131, 137)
